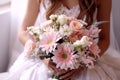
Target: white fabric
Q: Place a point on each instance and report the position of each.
(18, 8)
(3, 75)
(115, 21)
(107, 67)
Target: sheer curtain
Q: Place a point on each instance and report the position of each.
(115, 25)
(18, 8)
(114, 29)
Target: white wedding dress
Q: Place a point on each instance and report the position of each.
(107, 67)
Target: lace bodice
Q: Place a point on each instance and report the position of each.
(74, 12)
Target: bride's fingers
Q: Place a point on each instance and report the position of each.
(64, 74)
(52, 67)
(56, 71)
(67, 75)
(70, 73)
(60, 72)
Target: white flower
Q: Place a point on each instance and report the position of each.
(83, 42)
(46, 31)
(65, 30)
(53, 17)
(62, 19)
(34, 30)
(49, 29)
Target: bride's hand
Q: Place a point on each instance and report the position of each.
(29, 47)
(63, 74)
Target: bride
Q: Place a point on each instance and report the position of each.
(38, 11)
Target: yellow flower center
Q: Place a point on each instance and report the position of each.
(50, 42)
(64, 56)
(65, 30)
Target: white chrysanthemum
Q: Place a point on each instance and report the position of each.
(49, 29)
(84, 42)
(35, 30)
(65, 30)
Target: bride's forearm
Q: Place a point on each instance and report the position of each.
(104, 15)
(23, 36)
(104, 41)
(29, 19)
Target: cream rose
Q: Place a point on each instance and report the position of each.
(62, 19)
(83, 42)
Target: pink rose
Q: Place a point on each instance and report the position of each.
(94, 48)
(75, 25)
(77, 35)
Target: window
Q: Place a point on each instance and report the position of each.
(3, 2)
(4, 5)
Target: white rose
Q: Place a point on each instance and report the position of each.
(62, 19)
(76, 43)
(83, 42)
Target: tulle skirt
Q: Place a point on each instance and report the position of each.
(106, 68)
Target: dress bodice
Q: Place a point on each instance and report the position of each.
(74, 11)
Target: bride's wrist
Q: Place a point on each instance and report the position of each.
(46, 61)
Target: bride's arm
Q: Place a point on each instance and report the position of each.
(29, 20)
(104, 10)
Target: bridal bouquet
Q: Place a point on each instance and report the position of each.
(68, 42)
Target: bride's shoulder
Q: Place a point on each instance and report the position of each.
(102, 2)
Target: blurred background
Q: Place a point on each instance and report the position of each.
(11, 16)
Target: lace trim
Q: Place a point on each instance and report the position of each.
(74, 12)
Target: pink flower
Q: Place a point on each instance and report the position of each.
(77, 35)
(48, 41)
(94, 31)
(94, 48)
(75, 25)
(88, 61)
(86, 32)
(65, 58)
(29, 47)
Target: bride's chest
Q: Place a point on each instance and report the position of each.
(72, 12)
